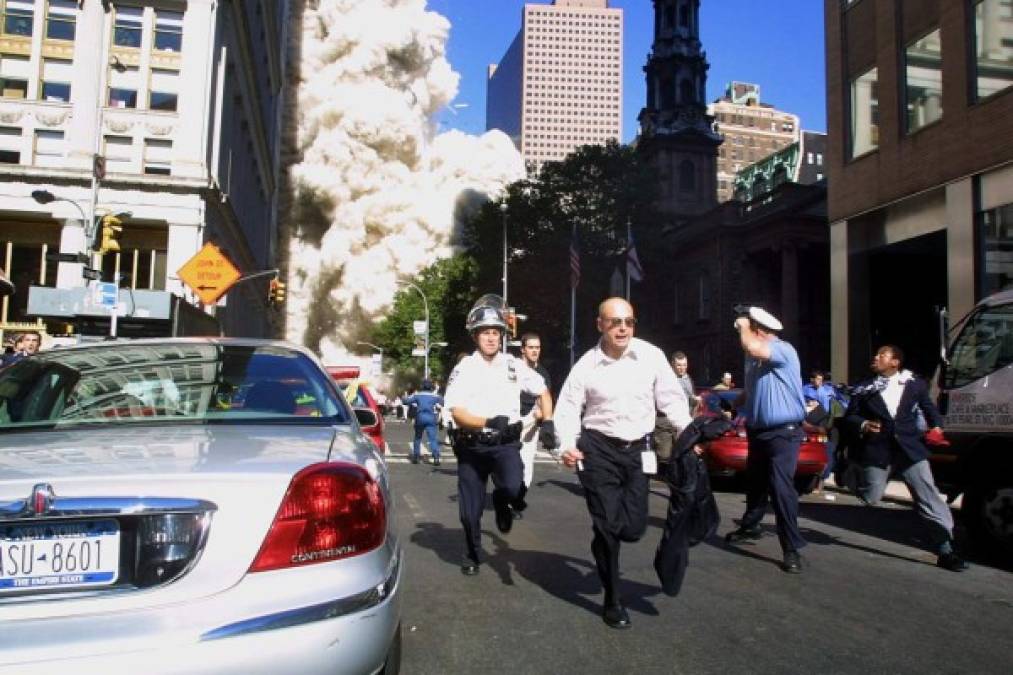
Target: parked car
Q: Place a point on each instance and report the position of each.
(191, 506)
(726, 456)
(358, 395)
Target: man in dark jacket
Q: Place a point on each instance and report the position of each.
(886, 414)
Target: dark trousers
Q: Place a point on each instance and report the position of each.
(475, 463)
(615, 488)
(770, 472)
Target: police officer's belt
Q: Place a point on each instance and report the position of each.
(488, 437)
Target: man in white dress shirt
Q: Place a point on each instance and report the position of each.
(619, 385)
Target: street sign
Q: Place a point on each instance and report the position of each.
(209, 273)
(419, 327)
(82, 258)
(106, 294)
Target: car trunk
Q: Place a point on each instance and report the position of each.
(224, 481)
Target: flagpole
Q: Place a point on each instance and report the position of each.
(627, 259)
(573, 305)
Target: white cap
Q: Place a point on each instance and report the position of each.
(765, 318)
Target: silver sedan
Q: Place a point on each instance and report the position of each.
(191, 506)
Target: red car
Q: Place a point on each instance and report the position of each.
(360, 397)
(726, 456)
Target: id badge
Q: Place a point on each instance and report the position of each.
(649, 461)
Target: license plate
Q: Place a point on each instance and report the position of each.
(81, 554)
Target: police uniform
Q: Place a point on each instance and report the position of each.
(489, 388)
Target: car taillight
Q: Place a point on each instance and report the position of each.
(330, 511)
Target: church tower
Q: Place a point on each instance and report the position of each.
(677, 137)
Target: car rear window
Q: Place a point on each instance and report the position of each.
(167, 383)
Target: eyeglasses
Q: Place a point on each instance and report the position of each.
(616, 321)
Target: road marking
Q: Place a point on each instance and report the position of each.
(414, 506)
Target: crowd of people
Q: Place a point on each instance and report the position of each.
(623, 406)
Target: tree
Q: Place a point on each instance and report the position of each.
(449, 288)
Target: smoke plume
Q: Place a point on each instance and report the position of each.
(376, 193)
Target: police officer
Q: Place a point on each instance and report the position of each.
(427, 405)
(483, 395)
(774, 407)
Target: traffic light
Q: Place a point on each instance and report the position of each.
(107, 238)
(276, 292)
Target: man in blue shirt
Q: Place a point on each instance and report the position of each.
(820, 391)
(774, 408)
(427, 412)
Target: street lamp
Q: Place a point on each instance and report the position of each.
(377, 348)
(47, 197)
(425, 303)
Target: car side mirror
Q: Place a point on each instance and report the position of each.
(366, 417)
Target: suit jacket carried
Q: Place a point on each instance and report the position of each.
(899, 434)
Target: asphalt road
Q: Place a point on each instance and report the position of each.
(869, 601)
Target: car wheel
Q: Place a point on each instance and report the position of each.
(988, 514)
(392, 664)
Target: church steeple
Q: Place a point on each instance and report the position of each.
(676, 134)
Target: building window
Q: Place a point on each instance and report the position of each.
(993, 46)
(157, 157)
(119, 152)
(14, 73)
(687, 176)
(128, 28)
(57, 75)
(60, 19)
(18, 17)
(48, 148)
(996, 228)
(864, 113)
(10, 145)
(923, 72)
(164, 90)
(168, 30)
(123, 87)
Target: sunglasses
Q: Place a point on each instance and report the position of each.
(616, 321)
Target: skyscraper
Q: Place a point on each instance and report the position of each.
(677, 137)
(751, 129)
(559, 84)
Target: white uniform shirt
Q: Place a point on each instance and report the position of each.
(619, 397)
(491, 388)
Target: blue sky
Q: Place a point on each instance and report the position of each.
(777, 44)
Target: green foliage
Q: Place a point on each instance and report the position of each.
(449, 288)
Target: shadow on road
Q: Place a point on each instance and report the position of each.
(573, 580)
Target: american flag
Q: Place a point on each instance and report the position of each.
(634, 269)
(574, 263)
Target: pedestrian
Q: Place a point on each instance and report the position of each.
(664, 435)
(885, 415)
(606, 411)
(832, 404)
(726, 383)
(483, 395)
(26, 344)
(773, 407)
(531, 351)
(680, 364)
(427, 406)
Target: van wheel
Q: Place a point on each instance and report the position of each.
(988, 514)
(392, 664)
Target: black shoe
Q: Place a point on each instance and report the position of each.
(615, 616)
(743, 534)
(469, 569)
(952, 562)
(415, 459)
(504, 519)
(436, 461)
(792, 562)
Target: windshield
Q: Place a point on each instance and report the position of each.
(167, 383)
(984, 346)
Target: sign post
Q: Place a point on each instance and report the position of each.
(209, 274)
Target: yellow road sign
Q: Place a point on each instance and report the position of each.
(209, 273)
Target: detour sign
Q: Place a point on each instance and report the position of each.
(209, 273)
